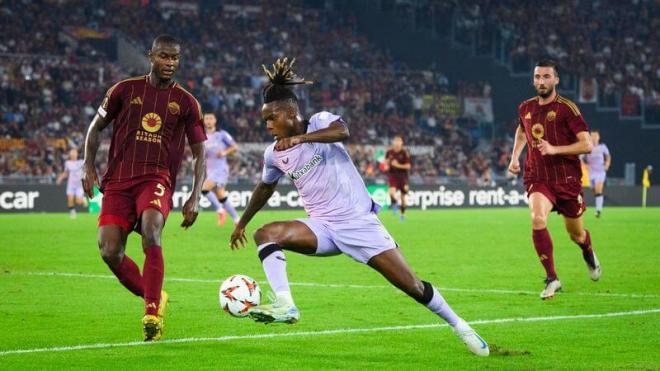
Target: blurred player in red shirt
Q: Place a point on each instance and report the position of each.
(398, 163)
(151, 116)
(555, 133)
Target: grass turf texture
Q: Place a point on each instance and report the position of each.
(468, 249)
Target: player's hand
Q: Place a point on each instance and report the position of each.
(546, 148)
(286, 143)
(89, 180)
(514, 166)
(238, 239)
(190, 211)
(220, 154)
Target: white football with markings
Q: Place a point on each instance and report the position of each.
(238, 294)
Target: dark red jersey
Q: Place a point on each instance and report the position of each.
(148, 133)
(557, 122)
(402, 157)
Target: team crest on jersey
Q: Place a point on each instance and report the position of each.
(173, 108)
(151, 122)
(538, 131)
(551, 116)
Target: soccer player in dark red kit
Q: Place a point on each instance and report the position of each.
(556, 133)
(152, 116)
(398, 165)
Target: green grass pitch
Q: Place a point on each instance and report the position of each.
(56, 294)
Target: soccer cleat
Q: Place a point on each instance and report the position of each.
(275, 313)
(152, 327)
(394, 208)
(551, 287)
(475, 343)
(402, 218)
(221, 218)
(594, 270)
(597, 214)
(164, 298)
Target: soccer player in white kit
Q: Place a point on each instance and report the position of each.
(598, 162)
(342, 215)
(74, 190)
(219, 145)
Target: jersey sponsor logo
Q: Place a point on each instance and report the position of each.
(311, 164)
(137, 100)
(173, 108)
(551, 116)
(151, 122)
(538, 131)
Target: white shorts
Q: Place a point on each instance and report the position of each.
(75, 189)
(219, 177)
(596, 178)
(361, 238)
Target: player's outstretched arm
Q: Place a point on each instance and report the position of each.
(336, 132)
(191, 207)
(260, 196)
(583, 145)
(92, 143)
(518, 145)
(62, 176)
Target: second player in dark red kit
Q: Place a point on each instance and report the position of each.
(555, 133)
(152, 116)
(398, 165)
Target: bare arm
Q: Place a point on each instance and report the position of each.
(519, 143)
(583, 145)
(608, 162)
(260, 196)
(62, 176)
(230, 150)
(92, 143)
(336, 132)
(191, 207)
(397, 165)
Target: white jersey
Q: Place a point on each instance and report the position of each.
(329, 185)
(74, 168)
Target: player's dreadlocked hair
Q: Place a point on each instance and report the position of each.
(281, 77)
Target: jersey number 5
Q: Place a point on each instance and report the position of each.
(160, 191)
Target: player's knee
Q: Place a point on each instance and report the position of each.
(538, 221)
(415, 289)
(267, 233)
(576, 237)
(111, 252)
(150, 235)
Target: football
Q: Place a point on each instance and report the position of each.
(238, 294)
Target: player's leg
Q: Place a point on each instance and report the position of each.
(151, 226)
(112, 245)
(394, 206)
(581, 236)
(540, 207)
(403, 191)
(71, 206)
(598, 195)
(271, 239)
(224, 200)
(392, 265)
(207, 191)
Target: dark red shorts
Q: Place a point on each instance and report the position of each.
(124, 207)
(398, 182)
(567, 199)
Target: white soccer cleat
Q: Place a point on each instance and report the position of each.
(275, 313)
(594, 272)
(475, 343)
(551, 287)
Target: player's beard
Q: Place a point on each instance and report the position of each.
(547, 93)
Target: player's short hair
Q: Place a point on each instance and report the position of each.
(549, 63)
(165, 39)
(595, 130)
(281, 77)
(210, 113)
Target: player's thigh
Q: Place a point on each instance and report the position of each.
(220, 191)
(69, 199)
(362, 238)
(540, 206)
(598, 187)
(152, 222)
(208, 185)
(574, 226)
(290, 235)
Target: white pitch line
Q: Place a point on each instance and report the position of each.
(320, 332)
(339, 285)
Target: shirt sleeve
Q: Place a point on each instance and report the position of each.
(194, 123)
(323, 120)
(606, 151)
(111, 105)
(575, 120)
(270, 173)
(227, 139)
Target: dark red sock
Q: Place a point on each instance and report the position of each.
(129, 276)
(543, 246)
(587, 252)
(153, 278)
